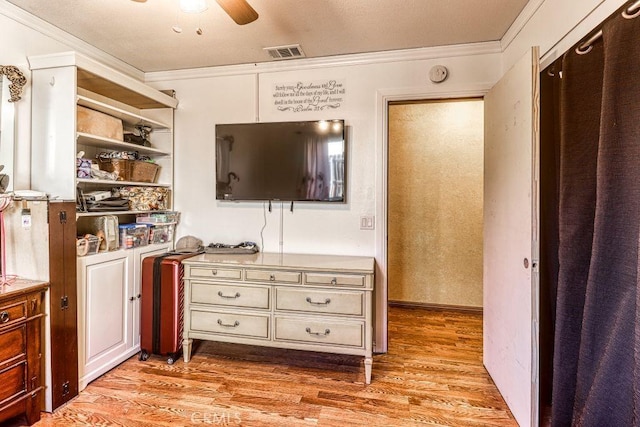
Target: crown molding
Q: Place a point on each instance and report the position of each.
(43, 27)
(522, 19)
(427, 53)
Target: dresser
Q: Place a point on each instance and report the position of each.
(305, 302)
(21, 312)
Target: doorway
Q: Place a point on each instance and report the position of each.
(435, 200)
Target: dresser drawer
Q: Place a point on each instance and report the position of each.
(273, 276)
(328, 332)
(327, 279)
(13, 381)
(230, 295)
(13, 345)
(247, 325)
(216, 273)
(319, 301)
(12, 312)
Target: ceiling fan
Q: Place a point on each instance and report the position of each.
(239, 10)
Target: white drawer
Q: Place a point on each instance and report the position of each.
(246, 325)
(216, 273)
(273, 276)
(349, 303)
(328, 279)
(230, 295)
(319, 331)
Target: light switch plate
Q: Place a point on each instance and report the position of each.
(367, 223)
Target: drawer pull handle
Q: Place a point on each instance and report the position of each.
(226, 325)
(221, 295)
(319, 334)
(34, 305)
(326, 301)
(4, 317)
(214, 272)
(272, 277)
(334, 281)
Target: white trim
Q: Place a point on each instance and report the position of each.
(521, 21)
(383, 98)
(43, 27)
(329, 61)
(68, 59)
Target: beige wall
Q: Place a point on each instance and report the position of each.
(435, 202)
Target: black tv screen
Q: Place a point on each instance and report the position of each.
(285, 161)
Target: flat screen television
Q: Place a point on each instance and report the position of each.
(283, 161)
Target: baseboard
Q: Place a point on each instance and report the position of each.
(431, 306)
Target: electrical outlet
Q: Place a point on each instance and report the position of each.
(367, 223)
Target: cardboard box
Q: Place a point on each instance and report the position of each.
(99, 124)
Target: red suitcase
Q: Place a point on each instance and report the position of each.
(162, 306)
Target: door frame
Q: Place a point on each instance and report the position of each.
(383, 98)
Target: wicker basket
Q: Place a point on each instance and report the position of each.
(120, 166)
(142, 171)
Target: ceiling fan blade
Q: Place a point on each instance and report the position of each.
(239, 10)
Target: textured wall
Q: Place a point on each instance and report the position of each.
(435, 202)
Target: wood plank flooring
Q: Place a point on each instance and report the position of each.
(432, 376)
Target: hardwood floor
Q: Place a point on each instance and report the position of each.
(432, 375)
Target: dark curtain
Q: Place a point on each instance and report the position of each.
(597, 331)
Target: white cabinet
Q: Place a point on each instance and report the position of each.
(108, 282)
(304, 302)
(109, 309)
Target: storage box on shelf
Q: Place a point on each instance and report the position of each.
(97, 123)
(133, 235)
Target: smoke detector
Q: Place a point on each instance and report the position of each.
(285, 52)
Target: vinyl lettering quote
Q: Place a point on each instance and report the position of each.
(309, 96)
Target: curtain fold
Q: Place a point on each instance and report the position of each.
(596, 345)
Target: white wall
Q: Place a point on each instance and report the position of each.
(247, 96)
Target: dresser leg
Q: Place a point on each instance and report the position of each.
(33, 409)
(368, 364)
(186, 349)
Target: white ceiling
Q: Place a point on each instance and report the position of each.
(140, 34)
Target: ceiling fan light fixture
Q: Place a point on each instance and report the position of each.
(193, 6)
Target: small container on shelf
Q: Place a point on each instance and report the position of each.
(144, 171)
(160, 233)
(167, 217)
(133, 235)
(87, 245)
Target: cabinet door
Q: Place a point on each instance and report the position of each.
(136, 286)
(106, 311)
(510, 237)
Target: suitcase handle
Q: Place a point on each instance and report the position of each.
(226, 325)
(221, 295)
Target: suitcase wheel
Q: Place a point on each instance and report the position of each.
(144, 355)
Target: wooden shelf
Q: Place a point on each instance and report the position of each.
(120, 183)
(127, 117)
(84, 214)
(114, 144)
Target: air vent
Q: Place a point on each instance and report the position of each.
(285, 52)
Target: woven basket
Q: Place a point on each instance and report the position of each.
(120, 166)
(142, 171)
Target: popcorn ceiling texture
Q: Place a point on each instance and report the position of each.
(435, 202)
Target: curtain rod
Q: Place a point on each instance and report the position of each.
(630, 12)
